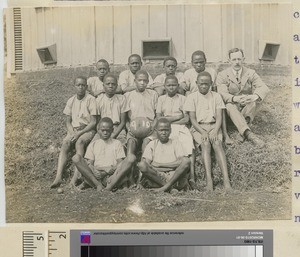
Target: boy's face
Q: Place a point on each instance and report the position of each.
(110, 85)
(105, 130)
(204, 83)
(236, 60)
(198, 63)
(163, 132)
(170, 67)
(81, 86)
(135, 64)
(141, 82)
(102, 69)
(171, 86)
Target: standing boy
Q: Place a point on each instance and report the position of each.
(127, 77)
(105, 166)
(95, 84)
(114, 106)
(142, 102)
(205, 110)
(164, 162)
(81, 121)
(170, 67)
(170, 106)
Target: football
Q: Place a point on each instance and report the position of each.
(140, 127)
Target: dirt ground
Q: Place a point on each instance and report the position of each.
(34, 131)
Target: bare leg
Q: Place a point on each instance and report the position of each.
(80, 149)
(181, 169)
(146, 141)
(221, 159)
(86, 172)
(227, 139)
(131, 149)
(192, 180)
(62, 161)
(206, 156)
(149, 172)
(121, 171)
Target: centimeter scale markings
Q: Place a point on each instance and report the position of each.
(46, 244)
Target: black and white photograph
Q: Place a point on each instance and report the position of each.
(148, 112)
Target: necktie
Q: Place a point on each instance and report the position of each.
(237, 77)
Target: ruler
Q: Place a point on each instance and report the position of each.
(46, 243)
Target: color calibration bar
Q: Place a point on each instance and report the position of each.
(171, 243)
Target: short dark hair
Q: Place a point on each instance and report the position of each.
(134, 55)
(169, 58)
(235, 50)
(103, 61)
(171, 77)
(81, 77)
(141, 72)
(198, 52)
(204, 74)
(163, 121)
(110, 75)
(105, 120)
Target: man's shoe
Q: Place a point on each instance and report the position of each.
(255, 140)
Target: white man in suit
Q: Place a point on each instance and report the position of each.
(242, 90)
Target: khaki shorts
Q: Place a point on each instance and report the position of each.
(86, 137)
(166, 177)
(207, 127)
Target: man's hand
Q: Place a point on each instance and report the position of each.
(155, 164)
(239, 99)
(249, 99)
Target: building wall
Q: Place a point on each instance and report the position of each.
(85, 34)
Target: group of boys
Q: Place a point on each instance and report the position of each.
(183, 110)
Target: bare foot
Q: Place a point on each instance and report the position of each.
(192, 184)
(158, 190)
(100, 188)
(228, 140)
(56, 183)
(209, 187)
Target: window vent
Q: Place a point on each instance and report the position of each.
(18, 39)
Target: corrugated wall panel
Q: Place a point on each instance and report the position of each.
(139, 27)
(49, 26)
(77, 54)
(248, 32)
(212, 32)
(122, 33)
(35, 60)
(193, 29)
(57, 34)
(104, 33)
(158, 21)
(41, 27)
(27, 52)
(87, 35)
(175, 30)
(238, 24)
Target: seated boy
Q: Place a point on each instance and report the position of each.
(170, 66)
(113, 106)
(164, 162)
(81, 121)
(205, 110)
(105, 166)
(170, 106)
(95, 84)
(190, 77)
(127, 77)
